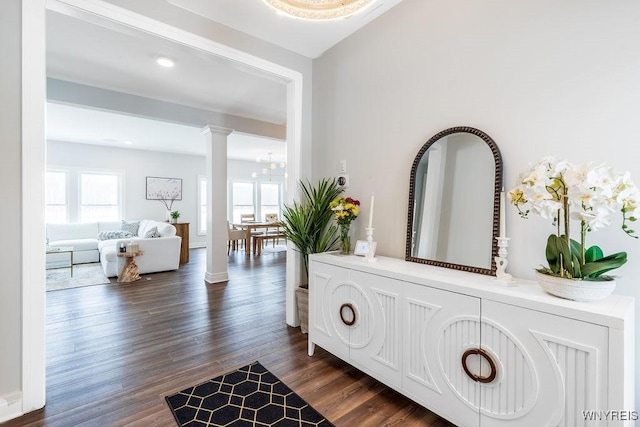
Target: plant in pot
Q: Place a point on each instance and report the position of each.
(308, 225)
(174, 216)
(561, 191)
(167, 198)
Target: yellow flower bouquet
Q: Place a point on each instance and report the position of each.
(345, 210)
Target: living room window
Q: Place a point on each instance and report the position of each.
(242, 199)
(259, 198)
(83, 195)
(202, 205)
(100, 195)
(270, 199)
(56, 196)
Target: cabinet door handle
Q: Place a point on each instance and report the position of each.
(348, 306)
(482, 353)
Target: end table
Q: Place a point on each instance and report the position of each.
(129, 272)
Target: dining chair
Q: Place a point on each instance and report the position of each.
(247, 217)
(273, 233)
(235, 237)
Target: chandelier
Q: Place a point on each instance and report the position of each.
(270, 168)
(319, 9)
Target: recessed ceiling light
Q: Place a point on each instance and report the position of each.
(128, 142)
(165, 62)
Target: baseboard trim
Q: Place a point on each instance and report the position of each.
(216, 277)
(10, 406)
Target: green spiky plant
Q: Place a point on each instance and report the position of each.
(308, 223)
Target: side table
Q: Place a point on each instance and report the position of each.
(62, 250)
(129, 272)
(182, 230)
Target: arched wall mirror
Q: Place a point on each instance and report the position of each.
(454, 198)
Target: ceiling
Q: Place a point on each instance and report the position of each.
(78, 124)
(123, 60)
(257, 18)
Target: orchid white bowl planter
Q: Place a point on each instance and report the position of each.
(576, 289)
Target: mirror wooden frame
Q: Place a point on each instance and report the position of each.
(496, 201)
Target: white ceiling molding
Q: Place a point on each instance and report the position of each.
(69, 93)
(77, 124)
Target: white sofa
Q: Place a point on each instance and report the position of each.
(82, 236)
(159, 253)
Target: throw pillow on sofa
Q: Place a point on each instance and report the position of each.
(130, 226)
(115, 234)
(151, 233)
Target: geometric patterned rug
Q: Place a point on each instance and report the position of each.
(249, 396)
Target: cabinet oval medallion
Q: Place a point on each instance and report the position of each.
(348, 318)
(486, 356)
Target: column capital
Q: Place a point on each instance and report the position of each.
(213, 129)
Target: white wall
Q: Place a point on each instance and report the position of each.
(137, 165)
(541, 78)
(10, 173)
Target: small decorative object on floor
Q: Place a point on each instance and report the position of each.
(561, 191)
(249, 396)
(345, 211)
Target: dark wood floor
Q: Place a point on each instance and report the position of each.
(114, 351)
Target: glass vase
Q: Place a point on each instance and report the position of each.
(345, 239)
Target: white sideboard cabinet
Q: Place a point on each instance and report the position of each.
(474, 352)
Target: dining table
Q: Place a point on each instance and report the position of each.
(250, 226)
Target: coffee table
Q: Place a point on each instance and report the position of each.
(62, 250)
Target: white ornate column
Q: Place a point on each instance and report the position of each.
(216, 147)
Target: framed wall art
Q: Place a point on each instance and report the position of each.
(164, 188)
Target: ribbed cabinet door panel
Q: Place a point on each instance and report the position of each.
(328, 287)
(550, 368)
(375, 337)
(439, 326)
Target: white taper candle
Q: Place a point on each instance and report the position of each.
(503, 226)
(371, 213)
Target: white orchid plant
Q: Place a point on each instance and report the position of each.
(589, 194)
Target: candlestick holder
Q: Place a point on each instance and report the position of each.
(502, 277)
(370, 256)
